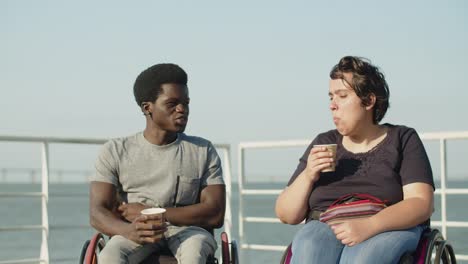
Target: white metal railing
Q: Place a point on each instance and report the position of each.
(443, 191)
(44, 194)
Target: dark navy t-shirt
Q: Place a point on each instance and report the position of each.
(398, 160)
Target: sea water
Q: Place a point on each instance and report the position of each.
(68, 207)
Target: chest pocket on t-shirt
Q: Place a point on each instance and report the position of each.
(188, 190)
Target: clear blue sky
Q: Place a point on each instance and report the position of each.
(258, 70)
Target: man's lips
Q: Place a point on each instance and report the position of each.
(181, 120)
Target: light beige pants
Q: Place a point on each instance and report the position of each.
(190, 245)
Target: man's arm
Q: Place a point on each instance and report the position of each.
(209, 213)
(102, 218)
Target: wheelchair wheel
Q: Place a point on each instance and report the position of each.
(234, 256)
(93, 247)
(444, 253)
(287, 254)
(225, 249)
(83, 251)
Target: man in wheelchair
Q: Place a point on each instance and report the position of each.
(159, 167)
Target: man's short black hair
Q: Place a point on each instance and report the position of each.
(148, 84)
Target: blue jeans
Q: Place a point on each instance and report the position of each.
(316, 243)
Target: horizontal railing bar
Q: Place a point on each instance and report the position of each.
(64, 259)
(54, 227)
(305, 142)
(264, 247)
(261, 219)
(444, 135)
(22, 261)
(21, 194)
(283, 248)
(71, 140)
(274, 144)
(278, 191)
(54, 140)
(21, 228)
(68, 194)
(253, 219)
(452, 191)
(450, 223)
(260, 191)
(35, 227)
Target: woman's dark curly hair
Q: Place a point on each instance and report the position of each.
(148, 84)
(366, 80)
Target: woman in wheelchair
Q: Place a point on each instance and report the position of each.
(384, 160)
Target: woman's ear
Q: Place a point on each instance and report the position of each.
(371, 102)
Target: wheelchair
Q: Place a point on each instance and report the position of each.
(431, 240)
(96, 244)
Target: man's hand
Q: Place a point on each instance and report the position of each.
(130, 211)
(142, 231)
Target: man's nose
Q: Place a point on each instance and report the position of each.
(181, 108)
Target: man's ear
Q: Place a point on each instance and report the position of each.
(372, 100)
(146, 108)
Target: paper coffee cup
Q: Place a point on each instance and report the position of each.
(159, 219)
(159, 212)
(331, 148)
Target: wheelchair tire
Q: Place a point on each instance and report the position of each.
(234, 254)
(83, 251)
(225, 249)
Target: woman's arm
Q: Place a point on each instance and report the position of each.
(415, 208)
(292, 204)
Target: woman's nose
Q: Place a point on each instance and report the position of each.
(333, 105)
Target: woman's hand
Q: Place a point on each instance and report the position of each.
(319, 159)
(354, 231)
(143, 231)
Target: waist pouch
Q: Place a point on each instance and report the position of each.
(351, 206)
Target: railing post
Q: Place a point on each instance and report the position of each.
(443, 187)
(44, 200)
(240, 179)
(228, 176)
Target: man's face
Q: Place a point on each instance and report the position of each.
(171, 109)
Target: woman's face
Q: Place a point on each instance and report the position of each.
(347, 110)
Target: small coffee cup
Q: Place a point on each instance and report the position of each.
(331, 148)
(159, 214)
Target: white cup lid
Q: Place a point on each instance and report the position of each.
(150, 211)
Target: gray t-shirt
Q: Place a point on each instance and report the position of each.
(162, 176)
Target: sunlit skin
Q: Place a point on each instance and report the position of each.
(165, 118)
(168, 115)
(354, 121)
